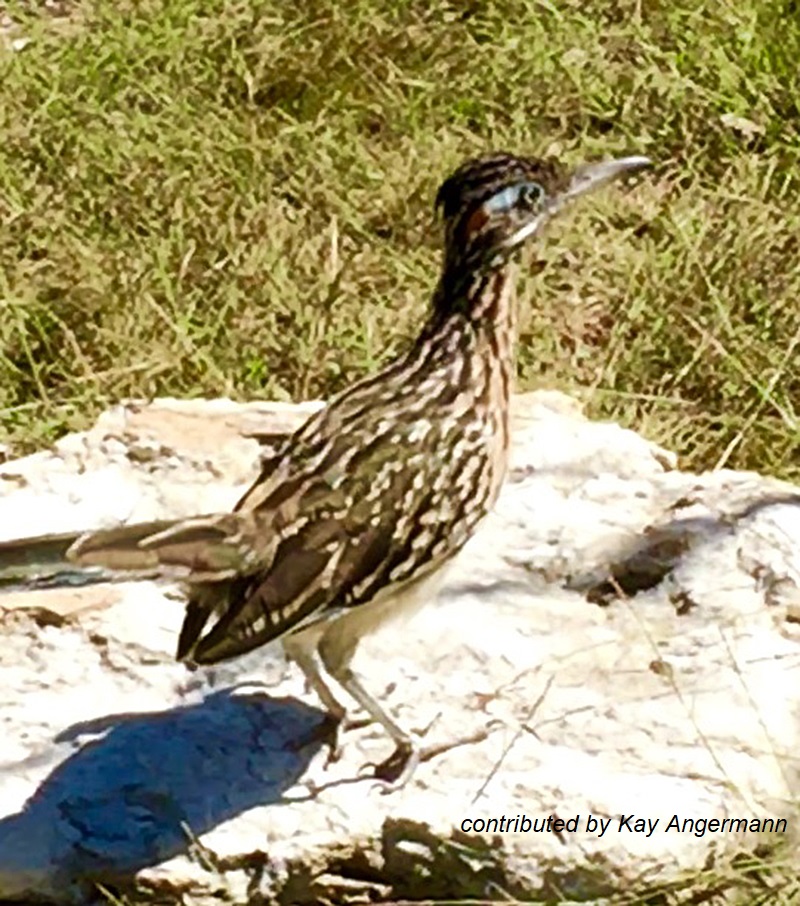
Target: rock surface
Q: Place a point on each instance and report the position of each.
(620, 638)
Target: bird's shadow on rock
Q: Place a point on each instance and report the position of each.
(137, 795)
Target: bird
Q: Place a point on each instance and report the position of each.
(355, 519)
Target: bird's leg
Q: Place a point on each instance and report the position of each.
(336, 646)
(397, 769)
(328, 731)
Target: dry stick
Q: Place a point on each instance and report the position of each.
(670, 679)
(754, 705)
(520, 730)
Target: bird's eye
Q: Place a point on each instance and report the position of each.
(531, 194)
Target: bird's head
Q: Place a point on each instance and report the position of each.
(492, 204)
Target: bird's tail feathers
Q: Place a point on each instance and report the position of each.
(208, 547)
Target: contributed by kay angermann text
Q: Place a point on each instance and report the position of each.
(603, 825)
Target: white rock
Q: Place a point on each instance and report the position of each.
(674, 693)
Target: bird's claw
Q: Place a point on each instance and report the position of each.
(394, 772)
(326, 732)
(343, 725)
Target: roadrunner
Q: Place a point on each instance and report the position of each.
(353, 519)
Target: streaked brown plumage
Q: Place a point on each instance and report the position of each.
(354, 518)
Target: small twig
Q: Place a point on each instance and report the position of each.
(523, 728)
(434, 751)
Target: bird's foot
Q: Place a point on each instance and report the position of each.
(395, 772)
(327, 732)
(333, 738)
(355, 723)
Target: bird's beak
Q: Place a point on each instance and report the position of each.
(585, 179)
(591, 176)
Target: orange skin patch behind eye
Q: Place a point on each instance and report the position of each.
(475, 222)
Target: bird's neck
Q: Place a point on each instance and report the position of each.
(480, 303)
(469, 343)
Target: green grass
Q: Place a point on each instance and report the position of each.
(200, 197)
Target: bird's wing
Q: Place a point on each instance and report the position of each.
(217, 548)
(363, 514)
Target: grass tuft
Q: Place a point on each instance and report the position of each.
(204, 197)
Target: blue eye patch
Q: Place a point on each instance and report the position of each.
(525, 193)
